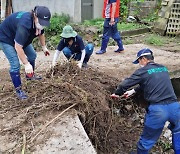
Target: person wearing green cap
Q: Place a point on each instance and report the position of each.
(73, 47)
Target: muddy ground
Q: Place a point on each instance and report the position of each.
(110, 130)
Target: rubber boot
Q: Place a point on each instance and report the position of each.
(16, 79)
(140, 151)
(103, 46)
(176, 142)
(120, 46)
(33, 76)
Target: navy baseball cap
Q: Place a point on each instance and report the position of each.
(142, 52)
(43, 14)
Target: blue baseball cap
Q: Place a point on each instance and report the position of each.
(142, 52)
(43, 14)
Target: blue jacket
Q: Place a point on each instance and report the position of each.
(153, 79)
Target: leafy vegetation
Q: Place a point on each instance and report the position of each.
(155, 40)
(57, 24)
(129, 26)
(124, 10)
(53, 31)
(165, 145)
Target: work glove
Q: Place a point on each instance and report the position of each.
(114, 96)
(29, 69)
(56, 56)
(129, 93)
(45, 50)
(79, 65)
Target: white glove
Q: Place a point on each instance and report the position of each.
(79, 64)
(129, 93)
(45, 50)
(56, 56)
(28, 68)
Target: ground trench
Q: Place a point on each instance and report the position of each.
(113, 126)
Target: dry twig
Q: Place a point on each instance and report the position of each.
(52, 121)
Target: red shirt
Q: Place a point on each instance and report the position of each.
(107, 9)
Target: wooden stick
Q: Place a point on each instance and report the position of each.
(24, 144)
(52, 121)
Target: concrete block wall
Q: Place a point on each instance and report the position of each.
(164, 15)
(174, 21)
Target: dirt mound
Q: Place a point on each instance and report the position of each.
(110, 131)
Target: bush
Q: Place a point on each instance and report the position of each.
(57, 24)
(53, 31)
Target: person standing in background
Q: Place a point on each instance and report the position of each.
(111, 15)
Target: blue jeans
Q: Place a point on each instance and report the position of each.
(155, 119)
(12, 56)
(111, 31)
(77, 56)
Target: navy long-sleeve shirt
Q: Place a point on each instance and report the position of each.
(153, 79)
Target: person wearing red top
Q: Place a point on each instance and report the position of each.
(111, 15)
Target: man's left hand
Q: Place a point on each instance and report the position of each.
(45, 50)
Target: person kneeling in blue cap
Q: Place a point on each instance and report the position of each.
(153, 79)
(17, 32)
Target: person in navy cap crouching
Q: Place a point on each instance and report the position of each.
(153, 79)
(17, 32)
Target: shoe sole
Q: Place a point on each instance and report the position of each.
(119, 51)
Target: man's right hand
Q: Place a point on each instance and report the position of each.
(28, 68)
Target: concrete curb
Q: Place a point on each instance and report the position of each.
(135, 32)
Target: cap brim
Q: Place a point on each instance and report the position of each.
(74, 34)
(136, 61)
(44, 22)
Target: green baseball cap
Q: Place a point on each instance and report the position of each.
(68, 32)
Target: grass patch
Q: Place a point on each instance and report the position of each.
(94, 22)
(129, 26)
(128, 41)
(121, 26)
(155, 39)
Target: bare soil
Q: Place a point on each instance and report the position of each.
(110, 130)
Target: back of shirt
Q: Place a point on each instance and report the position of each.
(157, 84)
(154, 81)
